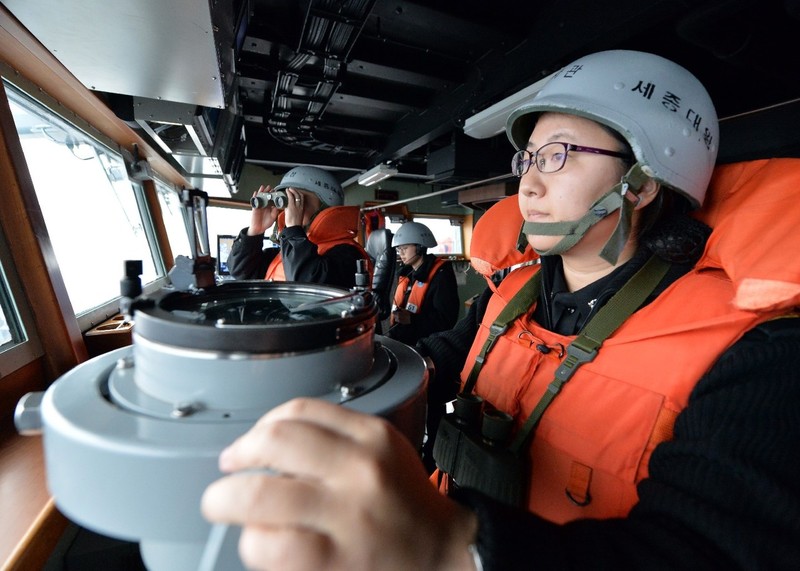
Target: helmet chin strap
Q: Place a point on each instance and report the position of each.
(621, 197)
(415, 258)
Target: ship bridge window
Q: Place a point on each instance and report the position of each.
(226, 221)
(223, 218)
(89, 205)
(174, 222)
(11, 331)
(448, 232)
(18, 342)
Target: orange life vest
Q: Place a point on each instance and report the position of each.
(332, 226)
(417, 292)
(594, 442)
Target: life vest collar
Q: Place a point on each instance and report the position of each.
(331, 223)
(749, 207)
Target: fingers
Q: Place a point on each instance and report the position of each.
(327, 414)
(303, 439)
(278, 518)
(336, 426)
(350, 493)
(286, 549)
(294, 195)
(318, 441)
(295, 207)
(261, 218)
(262, 499)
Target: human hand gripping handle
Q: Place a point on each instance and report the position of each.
(347, 492)
(262, 219)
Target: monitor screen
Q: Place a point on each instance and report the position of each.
(224, 245)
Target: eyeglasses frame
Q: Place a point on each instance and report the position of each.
(567, 148)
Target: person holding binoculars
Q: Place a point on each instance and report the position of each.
(315, 232)
(628, 394)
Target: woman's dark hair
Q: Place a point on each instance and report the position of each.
(668, 203)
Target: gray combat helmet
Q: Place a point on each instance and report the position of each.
(663, 112)
(414, 233)
(316, 180)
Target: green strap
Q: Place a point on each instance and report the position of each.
(584, 348)
(518, 305)
(617, 198)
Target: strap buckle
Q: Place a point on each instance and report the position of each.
(496, 330)
(576, 356)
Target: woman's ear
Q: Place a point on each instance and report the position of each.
(647, 193)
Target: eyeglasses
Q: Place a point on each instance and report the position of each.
(552, 157)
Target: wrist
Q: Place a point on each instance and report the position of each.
(461, 552)
(293, 232)
(476, 557)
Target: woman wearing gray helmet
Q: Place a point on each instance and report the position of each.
(426, 297)
(645, 363)
(316, 234)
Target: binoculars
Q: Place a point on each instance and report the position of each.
(276, 198)
(471, 447)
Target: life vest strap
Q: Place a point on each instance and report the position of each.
(583, 348)
(516, 306)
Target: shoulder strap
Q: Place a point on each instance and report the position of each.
(516, 306)
(406, 292)
(584, 347)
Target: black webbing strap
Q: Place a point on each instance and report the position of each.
(516, 306)
(406, 293)
(583, 348)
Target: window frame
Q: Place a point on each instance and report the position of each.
(163, 188)
(106, 309)
(460, 220)
(29, 349)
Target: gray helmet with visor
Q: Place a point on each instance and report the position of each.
(414, 233)
(662, 111)
(315, 180)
